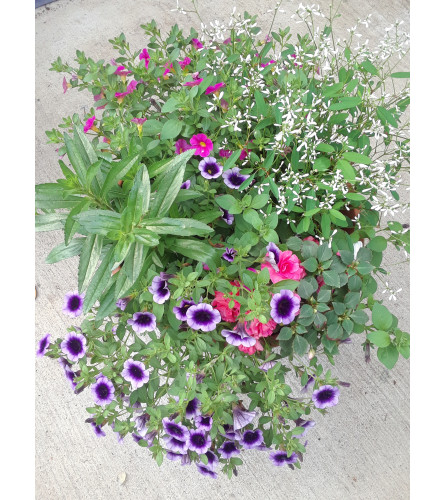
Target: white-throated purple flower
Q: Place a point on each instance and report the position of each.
(135, 373)
(176, 430)
(181, 311)
(310, 381)
(98, 430)
(74, 346)
(186, 184)
(242, 417)
(210, 168)
(159, 289)
(69, 374)
(306, 424)
(226, 217)
(233, 179)
(122, 303)
(228, 449)
(103, 391)
(203, 317)
(229, 254)
(273, 255)
(284, 306)
(140, 423)
(143, 322)
(43, 345)
(173, 456)
(73, 304)
(199, 441)
(212, 460)
(325, 397)
(252, 439)
(267, 366)
(231, 434)
(204, 422)
(280, 458)
(206, 471)
(192, 408)
(176, 445)
(238, 336)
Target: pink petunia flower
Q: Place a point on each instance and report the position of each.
(221, 303)
(139, 121)
(197, 44)
(193, 83)
(184, 62)
(145, 56)
(121, 71)
(130, 88)
(202, 145)
(256, 329)
(65, 85)
(253, 349)
(168, 66)
(89, 124)
(214, 88)
(288, 268)
(181, 146)
(311, 238)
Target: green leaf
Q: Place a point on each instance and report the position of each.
(400, 74)
(357, 157)
(378, 244)
(51, 196)
(194, 249)
(324, 253)
(89, 259)
(226, 201)
(62, 251)
(326, 226)
(285, 285)
(369, 67)
(179, 227)
(322, 163)
(385, 116)
(379, 338)
(145, 237)
(388, 356)
(50, 222)
(170, 105)
(139, 197)
(260, 103)
(336, 214)
(331, 278)
(346, 169)
(325, 148)
(359, 317)
(345, 103)
(107, 304)
(335, 331)
(381, 317)
(171, 129)
(306, 288)
(301, 345)
(259, 201)
(253, 218)
(99, 221)
(75, 158)
(99, 281)
(71, 225)
(310, 264)
(285, 333)
(118, 171)
(232, 159)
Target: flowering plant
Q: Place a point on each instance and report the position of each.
(229, 230)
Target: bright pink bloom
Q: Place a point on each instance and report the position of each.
(197, 44)
(257, 329)
(213, 88)
(168, 66)
(193, 83)
(224, 105)
(98, 97)
(64, 85)
(225, 153)
(121, 71)
(253, 349)
(311, 238)
(288, 268)
(181, 146)
(145, 56)
(185, 62)
(89, 124)
(267, 64)
(139, 121)
(105, 139)
(130, 88)
(202, 144)
(221, 303)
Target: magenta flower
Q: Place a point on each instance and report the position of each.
(89, 124)
(98, 97)
(197, 44)
(213, 88)
(185, 62)
(181, 146)
(64, 85)
(193, 83)
(121, 71)
(168, 66)
(202, 145)
(145, 56)
(139, 121)
(267, 64)
(131, 87)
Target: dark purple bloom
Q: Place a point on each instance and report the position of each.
(267, 366)
(135, 372)
(199, 441)
(212, 459)
(73, 304)
(174, 456)
(69, 374)
(192, 408)
(186, 184)
(159, 289)
(242, 417)
(325, 397)
(252, 439)
(74, 346)
(228, 449)
(238, 336)
(176, 445)
(103, 391)
(310, 381)
(233, 179)
(203, 317)
(206, 471)
(306, 424)
(229, 254)
(174, 429)
(273, 253)
(122, 303)
(43, 345)
(280, 458)
(284, 306)
(204, 422)
(181, 311)
(210, 168)
(226, 217)
(98, 430)
(141, 422)
(143, 322)
(231, 434)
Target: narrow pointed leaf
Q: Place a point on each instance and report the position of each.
(89, 259)
(62, 251)
(99, 281)
(118, 171)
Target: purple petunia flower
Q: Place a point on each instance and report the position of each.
(176, 430)
(73, 304)
(242, 417)
(273, 255)
(306, 424)
(174, 456)
(98, 430)
(204, 422)
(192, 408)
(122, 303)
(284, 306)
(267, 366)
(69, 374)
(141, 422)
(199, 441)
(103, 391)
(210, 168)
(181, 311)
(252, 439)
(280, 458)
(229, 254)
(43, 345)
(238, 336)
(226, 217)
(310, 381)
(212, 460)
(143, 322)
(135, 372)
(74, 346)
(176, 445)
(203, 317)
(159, 289)
(186, 184)
(233, 179)
(206, 471)
(228, 449)
(325, 397)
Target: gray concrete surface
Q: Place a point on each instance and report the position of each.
(359, 451)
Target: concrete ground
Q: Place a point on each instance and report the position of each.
(359, 451)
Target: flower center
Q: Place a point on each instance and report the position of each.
(75, 346)
(203, 316)
(144, 320)
(174, 429)
(74, 303)
(236, 179)
(136, 372)
(325, 395)
(250, 437)
(103, 391)
(284, 306)
(202, 144)
(198, 440)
